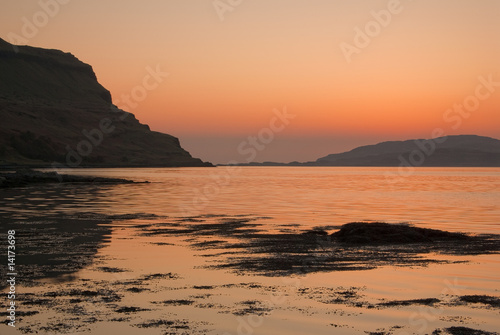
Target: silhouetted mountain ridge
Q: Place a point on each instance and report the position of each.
(456, 150)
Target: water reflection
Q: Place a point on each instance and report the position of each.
(115, 271)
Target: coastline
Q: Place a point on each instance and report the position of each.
(25, 176)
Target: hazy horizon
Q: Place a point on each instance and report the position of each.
(231, 68)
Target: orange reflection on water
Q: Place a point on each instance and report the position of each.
(281, 200)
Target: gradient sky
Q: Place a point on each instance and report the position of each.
(227, 76)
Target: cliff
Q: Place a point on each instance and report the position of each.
(54, 112)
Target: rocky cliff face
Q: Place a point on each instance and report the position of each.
(54, 112)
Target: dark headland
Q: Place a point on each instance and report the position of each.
(55, 113)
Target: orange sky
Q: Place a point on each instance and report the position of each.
(227, 76)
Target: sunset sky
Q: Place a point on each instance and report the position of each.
(232, 62)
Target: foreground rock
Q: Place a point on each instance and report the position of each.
(385, 233)
(27, 176)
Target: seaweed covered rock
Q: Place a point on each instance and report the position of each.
(386, 233)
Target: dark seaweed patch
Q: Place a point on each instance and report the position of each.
(481, 299)
(156, 276)
(179, 302)
(252, 307)
(427, 302)
(110, 269)
(461, 331)
(130, 309)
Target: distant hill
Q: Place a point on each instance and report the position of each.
(458, 150)
(52, 107)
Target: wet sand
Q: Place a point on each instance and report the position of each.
(70, 284)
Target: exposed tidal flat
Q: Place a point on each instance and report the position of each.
(270, 253)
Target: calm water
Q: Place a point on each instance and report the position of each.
(452, 199)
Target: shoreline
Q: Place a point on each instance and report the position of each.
(89, 166)
(24, 177)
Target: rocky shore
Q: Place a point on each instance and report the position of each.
(24, 177)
